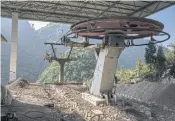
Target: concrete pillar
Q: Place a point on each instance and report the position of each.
(14, 42)
(61, 63)
(103, 78)
(105, 70)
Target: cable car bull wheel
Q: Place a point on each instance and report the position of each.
(116, 33)
(130, 28)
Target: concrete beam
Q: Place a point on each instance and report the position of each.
(93, 99)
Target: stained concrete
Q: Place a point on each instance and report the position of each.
(149, 92)
(93, 99)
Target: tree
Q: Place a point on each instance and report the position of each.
(83, 68)
(160, 59)
(50, 74)
(80, 69)
(170, 58)
(170, 53)
(160, 63)
(139, 67)
(150, 58)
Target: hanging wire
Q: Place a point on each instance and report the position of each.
(63, 36)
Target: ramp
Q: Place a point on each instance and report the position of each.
(148, 92)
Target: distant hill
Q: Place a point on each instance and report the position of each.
(31, 49)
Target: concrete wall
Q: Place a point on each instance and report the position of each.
(151, 92)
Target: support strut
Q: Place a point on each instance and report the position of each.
(103, 78)
(61, 63)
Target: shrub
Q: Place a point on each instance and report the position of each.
(125, 75)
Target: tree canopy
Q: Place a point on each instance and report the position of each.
(160, 59)
(81, 68)
(150, 51)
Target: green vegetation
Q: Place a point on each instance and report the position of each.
(157, 61)
(150, 57)
(81, 68)
(125, 75)
(170, 59)
(170, 54)
(160, 59)
(50, 74)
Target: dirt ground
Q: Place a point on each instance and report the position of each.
(29, 101)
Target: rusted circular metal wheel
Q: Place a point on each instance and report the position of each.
(129, 27)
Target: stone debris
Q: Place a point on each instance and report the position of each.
(69, 105)
(145, 112)
(134, 81)
(93, 99)
(97, 112)
(19, 83)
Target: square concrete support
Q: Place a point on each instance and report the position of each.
(103, 79)
(14, 45)
(93, 99)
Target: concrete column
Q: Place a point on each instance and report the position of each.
(105, 70)
(61, 63)
(103, 78)
(14, 42)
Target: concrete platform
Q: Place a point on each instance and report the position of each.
(93, 99)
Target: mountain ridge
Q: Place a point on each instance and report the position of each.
(31, 49)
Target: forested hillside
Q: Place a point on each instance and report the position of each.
(31, 49)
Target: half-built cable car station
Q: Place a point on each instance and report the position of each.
(117, 24)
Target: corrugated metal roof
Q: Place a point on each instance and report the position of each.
(76, 11)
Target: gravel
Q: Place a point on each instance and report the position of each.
(69, 106)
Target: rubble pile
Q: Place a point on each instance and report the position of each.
(67, 105)
(86, 109)
(19, 83)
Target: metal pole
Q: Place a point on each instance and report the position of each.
(61, 63)
(53, 51)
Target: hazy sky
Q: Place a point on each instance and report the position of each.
(166, 16)
(38, 24)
